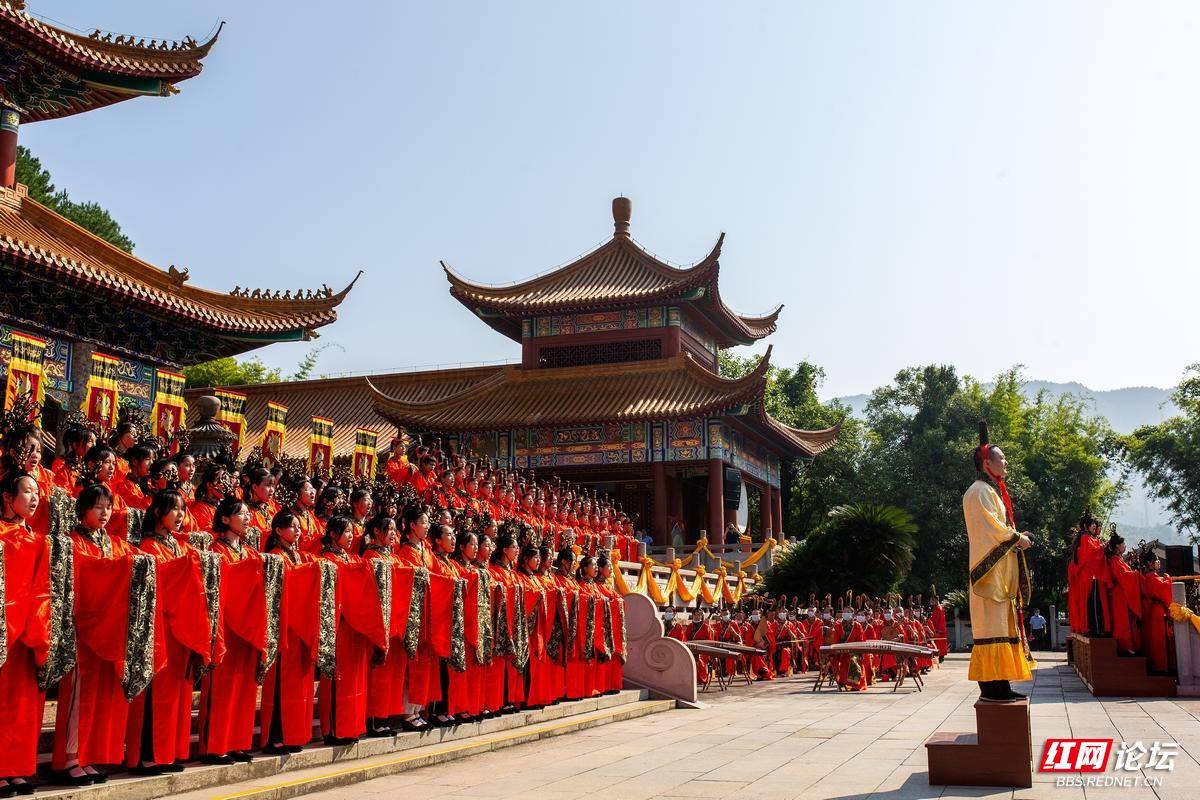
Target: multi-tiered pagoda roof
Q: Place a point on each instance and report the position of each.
(72, 285)
(618, 274)
(48, 72)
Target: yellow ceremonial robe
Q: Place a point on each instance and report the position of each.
(1000, 652)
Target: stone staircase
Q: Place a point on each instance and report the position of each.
(320, 766)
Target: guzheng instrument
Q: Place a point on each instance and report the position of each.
(880, 646)
(708, 650)
(736, 648)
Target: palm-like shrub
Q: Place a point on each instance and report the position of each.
(864, 547)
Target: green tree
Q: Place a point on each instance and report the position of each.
(230, 371)
(1168, 455)
(234, 372)
(864, 547)
(926, 424)
(89, 216)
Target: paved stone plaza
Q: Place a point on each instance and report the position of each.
(778, 741)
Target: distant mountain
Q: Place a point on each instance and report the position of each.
(1125, 409)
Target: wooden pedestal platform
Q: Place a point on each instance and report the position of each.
(1107, 674)
(998, 755)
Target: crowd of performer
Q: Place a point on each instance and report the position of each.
(787, 637)
(132, 577)
(1118, 592)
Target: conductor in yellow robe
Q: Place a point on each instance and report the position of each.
(999, 579)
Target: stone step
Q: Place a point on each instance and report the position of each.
(332, 776)
(429, 746)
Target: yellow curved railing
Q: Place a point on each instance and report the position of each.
(702, 547)
(730, 589)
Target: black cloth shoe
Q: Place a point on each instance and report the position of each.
(147, 769)
(172, 767)
(339, 741)
(212, 759)
(241, 756)
(275, 750)
(997, 692)
(25, 787)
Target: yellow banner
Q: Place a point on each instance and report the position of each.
(25, 374)
(366, 443)
(233, 415)
(103, 392)
(169, 406)
(320, 446)
(275, 432)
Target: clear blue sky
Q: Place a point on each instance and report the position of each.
(954, 182)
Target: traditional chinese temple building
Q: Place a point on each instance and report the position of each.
(75, 290)
(617, 389)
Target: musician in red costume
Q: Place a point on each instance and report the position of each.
(851, 674)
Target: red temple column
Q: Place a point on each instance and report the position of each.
(766, 516)
(662, 531)
(716, 501)
(675, 499)
(777, 503)
(9, 121)
(672, 342)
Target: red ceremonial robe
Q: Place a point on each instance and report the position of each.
(286, 712)
(360, 631)
(1126, 604)
(844, 661)
(27, 619)
(539, 681)
(613, 673)
(160, 719)
(423, 669)
(1088, 583)
(505, 685)
(1157, 632)
(385, 682)
(707, 633)
(228, 693)
(462, 695)
(92, 709)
